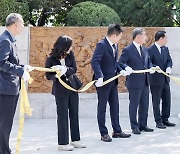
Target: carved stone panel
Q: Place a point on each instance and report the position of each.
(84, 43)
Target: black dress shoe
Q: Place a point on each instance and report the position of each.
(106, 138)
(120, 135)
(146, 129)
(160, 125)
(169, 124)
(136, 131)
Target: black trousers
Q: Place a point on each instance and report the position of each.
(8, 105)
(161, 93)
(68, 110)
(139, 103)
(109, 94)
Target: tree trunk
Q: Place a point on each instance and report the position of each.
(43, 18)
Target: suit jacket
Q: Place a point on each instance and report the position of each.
(104, 63)
(131, 57)
(162, 60)
(70, 62)
(10, 69)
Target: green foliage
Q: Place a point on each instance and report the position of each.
(142, 13)
(41, 11)
(176, 12)
(9, 6)
(91, 14)
(131, 12)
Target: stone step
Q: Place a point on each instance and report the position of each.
(43, 105)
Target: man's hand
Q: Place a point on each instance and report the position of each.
(168, 70)
(152, 70)
(26, 76)
(28, 68)
(99, 82)
(158, 69)
(129, 70)
(124, 73)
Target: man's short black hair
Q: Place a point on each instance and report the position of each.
(114, 29)
(160, 34)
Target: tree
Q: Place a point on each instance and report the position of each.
(55, 11)
(143, 13)
(91, 14)
(9, 6)
(176, 12)
(41, 11)
(131, 12)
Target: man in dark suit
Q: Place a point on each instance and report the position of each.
(159, 83)
(104, 64)
(10, 73)
(135, 57)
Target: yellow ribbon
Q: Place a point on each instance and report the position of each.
(24, 109)
(175, 79)
(24, 102)
(87, 86)
(58, 75)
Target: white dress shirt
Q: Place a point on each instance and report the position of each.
(158, 46)
(111, 44)
(137, 47)
(62, 61)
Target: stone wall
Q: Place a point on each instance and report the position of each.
(39, 46)
(84, 42)
(22, 45)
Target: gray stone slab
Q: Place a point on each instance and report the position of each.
(173, 34)
(40, 137)
(23, 41)
(43, 105)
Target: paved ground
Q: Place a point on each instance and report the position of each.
(40, 137)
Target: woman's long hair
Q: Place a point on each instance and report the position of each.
(61, 47)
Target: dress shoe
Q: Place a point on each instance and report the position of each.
(67, 147)
(120, 135)
(169, 124)
(106, 138)
(160, 125)
(78, 144)
(146, 129)
(136, 131)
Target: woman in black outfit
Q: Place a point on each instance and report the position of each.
(67, 101)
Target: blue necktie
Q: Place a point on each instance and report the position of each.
(161, 52)
(115, 50)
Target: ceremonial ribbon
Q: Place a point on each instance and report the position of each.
(175, 79)
(24, 109)
(24, 102)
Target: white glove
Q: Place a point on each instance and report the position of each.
(168, 70)
(124, 73)
(152, 70)
(99, 82)
(28, 68)
(63, 69)
(129, 70)
(179, 115)
(26, 75)
(158, 69)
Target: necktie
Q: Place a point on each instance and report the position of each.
(161, 53)
(115, 49)
(15, 51)
(142, 54)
